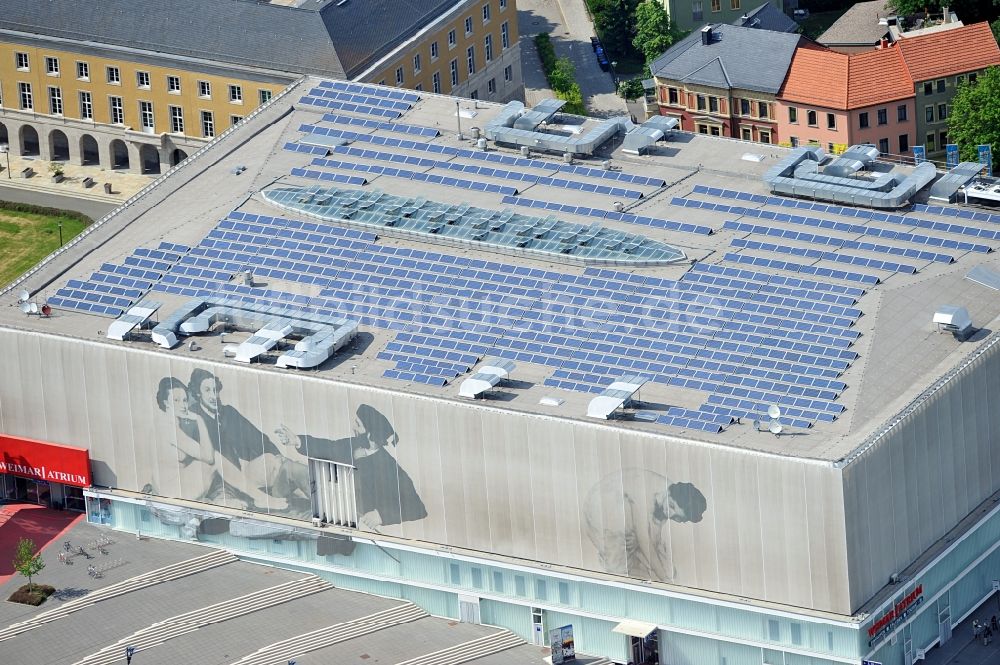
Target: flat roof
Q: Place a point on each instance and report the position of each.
(721, 335)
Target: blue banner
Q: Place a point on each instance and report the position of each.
(919, 154)
(986, 159)
(951, 155)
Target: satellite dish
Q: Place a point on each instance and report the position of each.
(756, 425)
(23, 295)
(775, 428)
(26, 307)
(33, 307)
(773, 411)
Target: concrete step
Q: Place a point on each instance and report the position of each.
(461, 653)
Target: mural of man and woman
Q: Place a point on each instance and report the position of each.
(229, 461)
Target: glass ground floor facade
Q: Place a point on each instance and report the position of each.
(686, 629)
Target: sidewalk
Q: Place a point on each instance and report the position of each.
(123, 185)
(25, 520)
(962, 649)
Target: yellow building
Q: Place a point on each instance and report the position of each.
(140, 86)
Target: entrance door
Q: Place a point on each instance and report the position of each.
(537, 627)
(645, 650)
(38, 492)
(944, 624)
(73, 497)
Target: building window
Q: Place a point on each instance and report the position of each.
(117, 110)
(746, 134)
(470, 59)
(83, 71)
(235, 120)
(416, 64)
(474, 94)
(763, 109)
(114, 75)
(796, 630)
(454, 73)
(436, 82)
(508, 73)
(901, 113)
(829, 147)
(972, 77)
(713, 104)
(486, 13)
(207, 124)
(960, 79)
(142, 80)
(904, 143)
(418, 87)
(503, 5)
(811, 119)
(883, 146)
(205, 89)
(498, 581)
(673, 96)
(455, 574)
(434, 51)
(520, 588)
(697, 12)
(488, 47)
(564, 593)
(831, 121)
(451, 39)
(491, 86)
(504, 35)
(174, 84)
(51, 66)
(716, 5)
(929, 143)
(929, 113)
(55, 101)
(27, 103)
(793, 115)
(863, 120)
(942, 111)
(734, 4)
(765, 136)
(883, 117)
(794, 140)
(22, 62)
(263, 96)
(773, 630)
(399, 76)
(745, 107)
(86, 106)
(942, 140)
(235, 94)
(146, 116)
(928, 88)
(941, 86)
(541, 590)
(176, 119)
(468, 26)
(700, 102)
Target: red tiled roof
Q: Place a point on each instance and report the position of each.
(950, 52)
(877, 77)
(817, 76)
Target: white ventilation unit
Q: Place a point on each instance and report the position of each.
(617, 395)
(487, 377)
(953, 319)
(136, 315)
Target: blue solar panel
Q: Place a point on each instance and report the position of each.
(367, 89)
(350, 107)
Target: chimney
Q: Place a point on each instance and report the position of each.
(947, 14)
(884, 43)
(706, 35)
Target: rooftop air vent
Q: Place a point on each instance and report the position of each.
(954, 319)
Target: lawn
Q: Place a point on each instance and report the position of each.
(28, 237)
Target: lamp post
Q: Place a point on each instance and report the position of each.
(458, 118)
(60, 234)
(614, 73)
(5, 149)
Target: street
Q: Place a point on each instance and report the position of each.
(93, 209)
(570, 29)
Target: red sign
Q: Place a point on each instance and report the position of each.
(39, 460)
(897, 612)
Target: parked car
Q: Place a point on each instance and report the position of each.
(595, 43)
(602, 58)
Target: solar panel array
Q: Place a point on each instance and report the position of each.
(114, 288)
(652, 222)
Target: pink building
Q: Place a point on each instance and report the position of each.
(836, 100)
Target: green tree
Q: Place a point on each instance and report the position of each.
(631, 89)
(969, 11)
(654, 33)
(27, 561)
(563, 75)
(974, 118)
(615, 23)
(995, 26)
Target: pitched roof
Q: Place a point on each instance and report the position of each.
(949, 52)
(877, 77)
(859, 24)
(767, 17)
(324, 39)
(738, 57)
(817, 76)
(836, 80)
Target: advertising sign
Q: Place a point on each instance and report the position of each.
(561, 642)
(896, 615)
(919, 154)
(43, 461)
(986, 159)
(951, 155)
